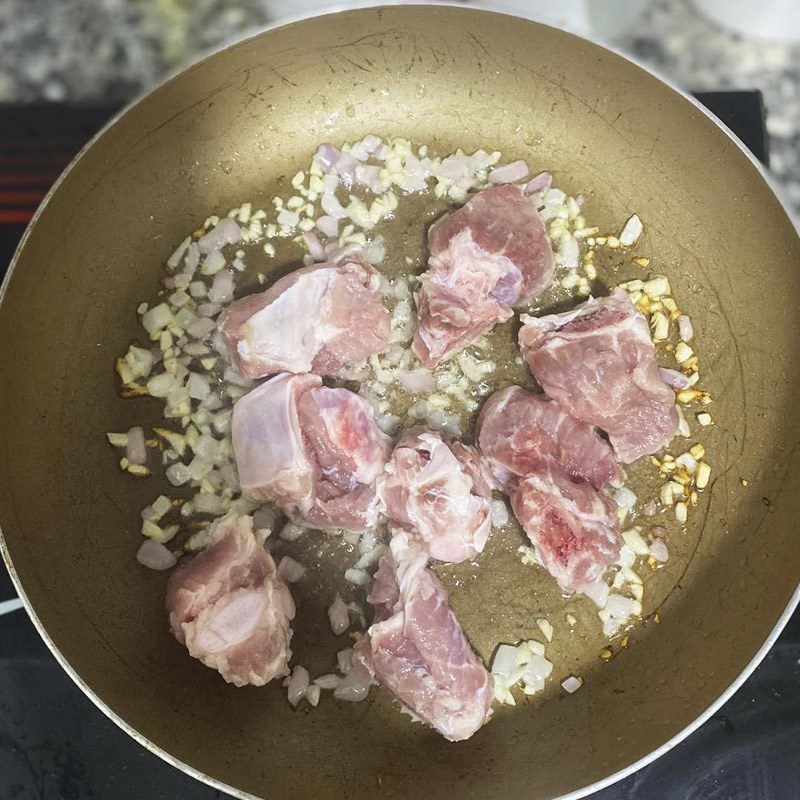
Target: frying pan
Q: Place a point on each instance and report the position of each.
(233, 127)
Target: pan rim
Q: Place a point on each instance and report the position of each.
(252, 33)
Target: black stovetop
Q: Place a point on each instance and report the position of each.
(54, 743)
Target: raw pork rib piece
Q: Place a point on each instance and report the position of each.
(230, 609)
(487, 257)
(416, 648)
(573, 528)
(520, 432)
(314, 451)
(316, 319)
(598, 362)
(437, 490)
(268, 442)
(349, 452)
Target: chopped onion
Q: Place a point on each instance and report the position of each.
(208, 504)
(288, 218)
(290, 570)
(177, 474)
(673, 378)
(157, 318)
(354, 688)
(369, 175)
(213, 263)
(685, 328)
(209, 310)
(631, 231)
(346, 167)
(505, 660)
(617, 610)
(290, 532)
(546, 628)
(597, 592)
(329, 681)
(572, 684)
(539, 183)
(635, 541)
(357, 577)
(161, 385)
(226, 231)
(199, 386)
(418, 380)
(298, 684)
(329, 226)
(312, 694)
(136, 452)
(201, 328)
(332, 207)
(344, 659)
(326, 156)
(375, 250)
(315, 248)
(649, 508)
(338, 616)
(514, 172)
(154, 555)
(659, 550)
(499, 512)
(221, 288)
(570, 253)
(625, 498)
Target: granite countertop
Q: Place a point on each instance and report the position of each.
(110, 50)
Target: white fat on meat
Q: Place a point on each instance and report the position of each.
(437, 490)
(417, 649)
(316, 319)
(573, 528)
(268, 444)
(520, 432)
(230, 608)
(486, 258)
(313, 450)
(598, 362)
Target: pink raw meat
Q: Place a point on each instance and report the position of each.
(316, 319)
(230, 609)
(486, 258)
(415, 647)
(349, 452)
(598, 362)
(573, 528)
(268, 442)
(520, 432)
(437, 490)
(314, 451)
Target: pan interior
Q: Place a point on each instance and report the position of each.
(236, 128)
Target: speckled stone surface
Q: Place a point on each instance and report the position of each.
(109, 50)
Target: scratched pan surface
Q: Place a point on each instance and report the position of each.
(232, 128)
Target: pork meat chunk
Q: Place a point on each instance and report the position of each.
(597, 361)
(573, 528)
(229, 607)
(486, 258)
(316, 319)
(520, 432)
(349, 453)
(417, 650)
(437, 490)
(271, 454)
(314, 451)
